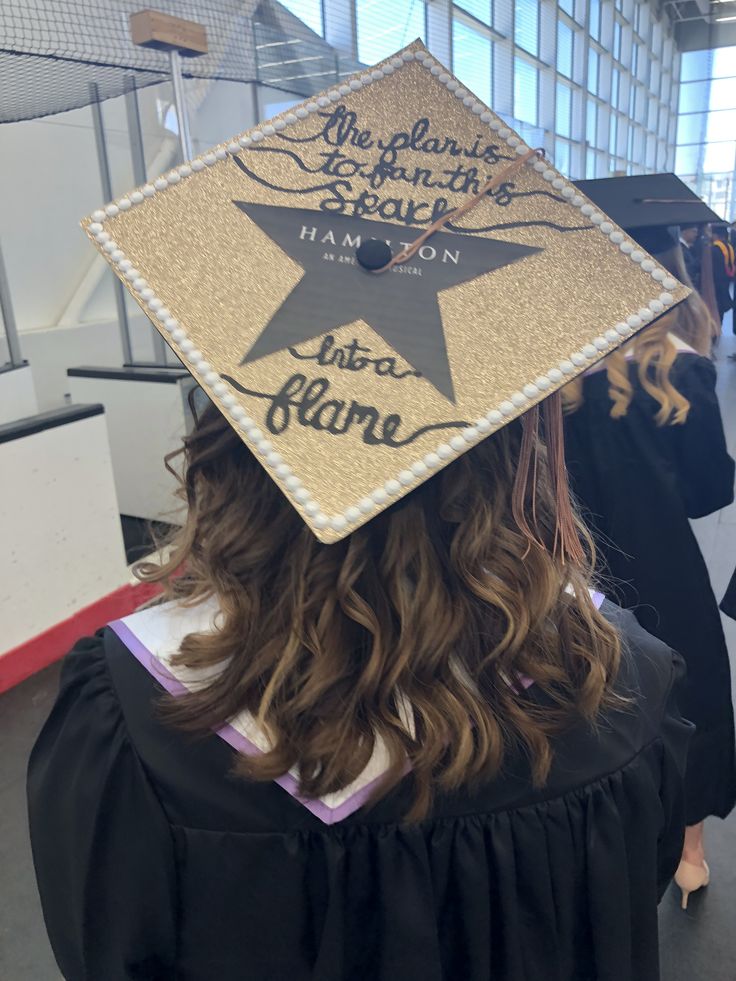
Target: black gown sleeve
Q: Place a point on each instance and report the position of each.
(704, 470)
(102, 845)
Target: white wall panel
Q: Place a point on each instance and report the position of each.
(59, 527)
(17, 394)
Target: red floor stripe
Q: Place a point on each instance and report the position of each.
(21, 662)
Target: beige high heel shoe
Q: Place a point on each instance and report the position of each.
(690, 878)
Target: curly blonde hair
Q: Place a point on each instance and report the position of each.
(326, 644)
(654, 353)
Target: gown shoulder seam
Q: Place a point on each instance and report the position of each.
(342, 828)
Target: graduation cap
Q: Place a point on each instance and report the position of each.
(648, 205)
(375, 280)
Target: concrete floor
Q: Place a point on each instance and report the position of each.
(25, 954)
(699, 945)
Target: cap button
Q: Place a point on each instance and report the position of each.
(374, 254)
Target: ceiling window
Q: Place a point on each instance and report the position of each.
(719, 126)
(719, 157)
(563, 110)
(655, 78)
(565, 49)
(384, 26)
(694, 96)
(590, 165)
(562, 156)
(526, 92)
(687, 159)
(308, 11)
(652, 115)
(723, 62)
(695, 65)
(615, 87)
(526, 25)
(595, 19)
(655, 47)
(638, 17)
(722, 93)
(666, 87)
(691, 128)
(593, 70)
(591, 122)
(471, 59)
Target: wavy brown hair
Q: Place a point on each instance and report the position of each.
(654, 353)
(462, 579)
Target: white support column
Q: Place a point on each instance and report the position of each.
(59, 524)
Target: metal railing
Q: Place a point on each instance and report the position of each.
(8, 318)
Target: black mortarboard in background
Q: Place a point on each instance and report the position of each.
(649, 206)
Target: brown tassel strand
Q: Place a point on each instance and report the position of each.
(489, 186)
(567, 540)
(527, 460)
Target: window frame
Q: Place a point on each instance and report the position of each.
(356, 31)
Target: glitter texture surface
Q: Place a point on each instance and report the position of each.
(223, 279)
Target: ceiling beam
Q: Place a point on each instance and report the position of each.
(698, 35)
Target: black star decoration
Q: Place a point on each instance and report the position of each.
(400, 305)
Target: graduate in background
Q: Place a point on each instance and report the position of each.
(724, 267)
(696, 242)
(728, 603)
(689, 241)
(707, 283)
(732, 241)
(646, 452)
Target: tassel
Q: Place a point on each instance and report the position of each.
(527, 460)
(567, 544)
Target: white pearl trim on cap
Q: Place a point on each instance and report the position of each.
(516, 403)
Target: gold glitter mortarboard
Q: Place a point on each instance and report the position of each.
(353, 386)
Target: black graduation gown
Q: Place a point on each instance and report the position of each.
(153, 862)
(691, 256)
(721, 281)
(638, 485)
(732, 240)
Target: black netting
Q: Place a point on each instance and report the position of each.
(50, 51)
